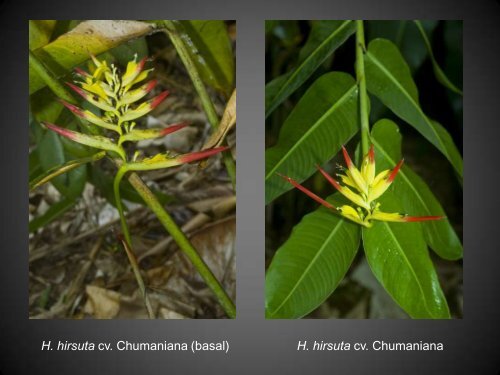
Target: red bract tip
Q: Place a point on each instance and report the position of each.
(330, 179)
(371, 154)
(81, 72)
(64, 132)
(151, 85)
(194, 156)
(395, 171)
(348, 160)
(140, 64)
(158, 99)
(174, 128)
(78, 90)
(307, 192)
(73, 108)
(422, 218)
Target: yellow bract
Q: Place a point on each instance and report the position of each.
(368, 187)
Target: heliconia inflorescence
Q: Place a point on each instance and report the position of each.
(119, 96)
(366, 188)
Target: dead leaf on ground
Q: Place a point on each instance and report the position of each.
(216, 244)
(102, 303)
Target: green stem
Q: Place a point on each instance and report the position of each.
(208, 106)
(363, 96)
(49, 78)
(116, 188)
(137, 273)
(179, 237)
(127, 243)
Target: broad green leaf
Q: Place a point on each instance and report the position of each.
(210, 47)
(307, 268)
(40, 32)
(63, 26)
(54, 211)
(326, 37)
(405, 35)
(324, 119)
(75, 46)
(398, 256)
(61, 169)
(438, 72)
(415, 196)
(388, 77)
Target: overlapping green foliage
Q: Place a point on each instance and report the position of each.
(307, 123)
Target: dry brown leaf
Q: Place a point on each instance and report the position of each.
(227, 122)
(216, 244)
(102, 303)
(169, 314)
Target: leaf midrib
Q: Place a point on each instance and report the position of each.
(409, 266)
(273, 106)
(311, 129)
(299, 281)
(412, 101)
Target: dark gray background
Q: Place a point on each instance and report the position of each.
(471, 344)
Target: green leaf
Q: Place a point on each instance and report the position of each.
(406, 36)
(51, 154)
(307, 268)
(60, 169)
(127, 51)
(438, 72)
(325, 38)
(34, 166)
(210, 48)
(44, 106)
(388, 77)
(416, 197)
(40, 32)
(75, 46)
(54, 211)
(399, 259)
(324, 119)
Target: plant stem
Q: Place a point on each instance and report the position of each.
(127, 243)
(173, 33)
(137, 273)
(183, 242)
(363, 96)
(48, 77)
(119, 206)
